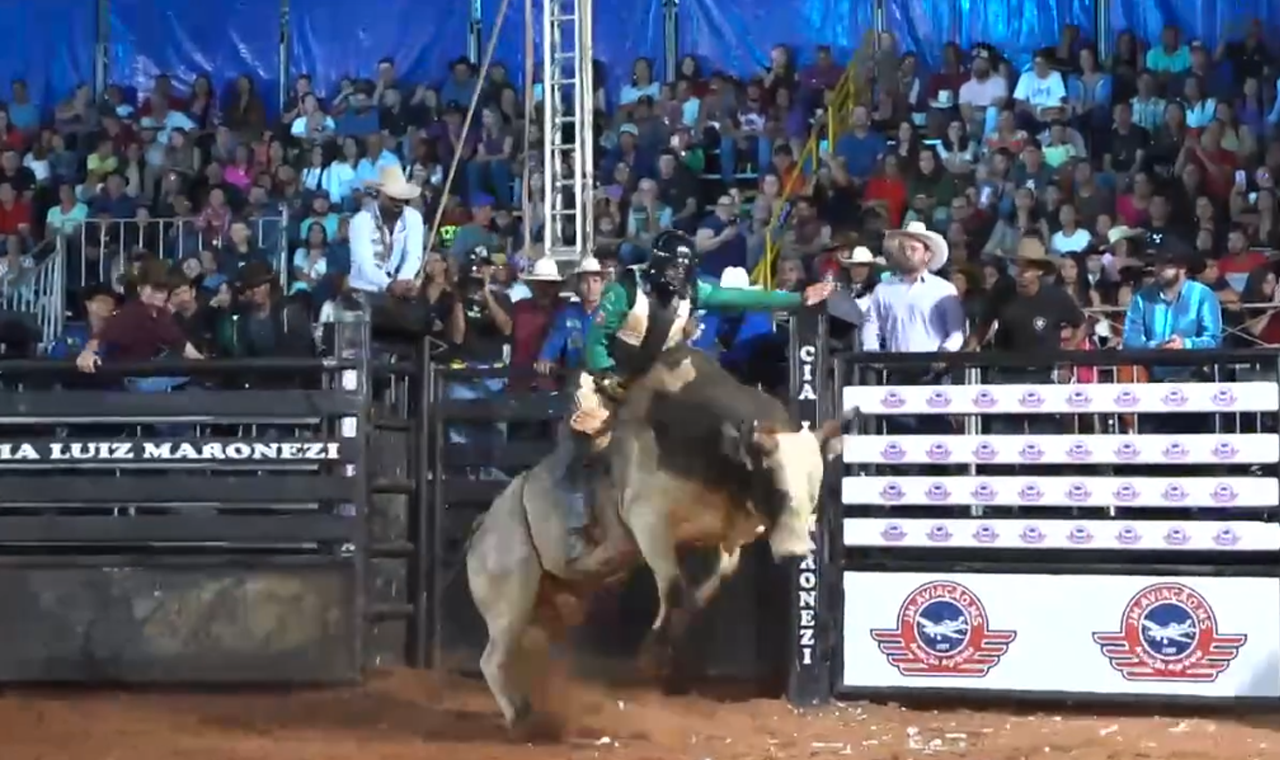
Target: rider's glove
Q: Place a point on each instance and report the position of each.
(610, 386)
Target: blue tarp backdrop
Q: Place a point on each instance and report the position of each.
(51, 43)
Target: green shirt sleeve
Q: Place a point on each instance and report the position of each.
(600, 333)
(715, 297)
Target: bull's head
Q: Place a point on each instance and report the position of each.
(794, 463)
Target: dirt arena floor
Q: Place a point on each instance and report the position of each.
(417, 716)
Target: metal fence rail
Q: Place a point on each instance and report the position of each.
(101, 250)
(39, 291)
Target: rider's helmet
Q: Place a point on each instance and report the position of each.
(671, 264)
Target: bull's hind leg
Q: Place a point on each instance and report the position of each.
(506, 599)
(649, 525)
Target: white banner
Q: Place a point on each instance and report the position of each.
(1102, 398)
(1062, 449)
(1202, 637)
(1062, 534)
(1031, 492)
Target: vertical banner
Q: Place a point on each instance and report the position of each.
(809, 681)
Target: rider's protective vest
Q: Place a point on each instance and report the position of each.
(650, 326)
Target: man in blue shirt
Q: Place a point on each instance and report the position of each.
(100, 302)
(861, 147)
(564, 344)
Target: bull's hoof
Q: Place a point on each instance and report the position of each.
(535, 728)
(522, 715)
(656, 656)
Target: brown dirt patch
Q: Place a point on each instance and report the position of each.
(421, 716)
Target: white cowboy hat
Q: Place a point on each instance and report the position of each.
(1116, 234)
(736, 278)
(589, 265)
(859, 255)
(543, 270)
(936, 244)
(391, 183)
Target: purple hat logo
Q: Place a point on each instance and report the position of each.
(985, 534)
(939, 533)
(1176, 537)
(893, 452)
(1078, 493)
(1031, 452)
(985, 452)
(891, 491)
(1078, 399)
(938, 399)
(984, 399)
(938, 452)
(892, 400)
(1079, 451)
(1174, 493)
(1174, 398)
(1223, 398)
(1030, 399)
(1126, 399)
(1226, 537)
(937, 492)
(1224, 451)
(1080, 535)
(1128, 536)
(1031, 535)
(1030, 492)
(1176, 452)
(1125, 493)
(984, 493)
(1223, 493)
(893, 533)
(1127, 452)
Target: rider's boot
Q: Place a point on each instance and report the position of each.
(575, 490)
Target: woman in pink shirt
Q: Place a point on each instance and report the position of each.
(240, 172)
(1131, 207)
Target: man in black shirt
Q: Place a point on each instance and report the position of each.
(678, 190)
(1030, 319)
(19, 177)
(1129, 142)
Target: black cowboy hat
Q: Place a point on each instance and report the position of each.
(97, 290)
(254, 274)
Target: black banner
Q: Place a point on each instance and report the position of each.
(170, 451)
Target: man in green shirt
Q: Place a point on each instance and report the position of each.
(647, 311)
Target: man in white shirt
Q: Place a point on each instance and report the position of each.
(1037, 90)
(387, 238)
(915, 311)
(982, 97)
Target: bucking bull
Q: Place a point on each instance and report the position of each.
(693, 458)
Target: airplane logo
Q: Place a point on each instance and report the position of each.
(942, 631)
(1168, 632)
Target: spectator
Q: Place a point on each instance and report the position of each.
(720, 238)
(478, 233)
(312, 123)
(565, 341)
(983, 96)
(647, 217)
(1174, 312)
(100, 302)
(309, 262)
(196, 320)
(531, 318)
(243, 112)
(67, 217)
(916, 311)
(15, 224)
(262, 322)
(490, 168)
(143, 328)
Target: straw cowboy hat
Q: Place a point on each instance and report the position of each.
(736, 278)
(1116, 234)
(1032, 252)
(391, 183)
(589, 265)
(934, 243)
(543, 270)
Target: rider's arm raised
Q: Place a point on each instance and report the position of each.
(711, 296)
(600, 333)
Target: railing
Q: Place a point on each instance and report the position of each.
(40, 290)
(1234, 331)
(835, 115)
(996, 529)
(102, 248)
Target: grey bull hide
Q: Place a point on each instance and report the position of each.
(695, 459)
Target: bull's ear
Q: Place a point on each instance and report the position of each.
(830, 429)
(830, 440)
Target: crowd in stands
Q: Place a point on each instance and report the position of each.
(1164, 150)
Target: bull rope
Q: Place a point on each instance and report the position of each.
(466, 127)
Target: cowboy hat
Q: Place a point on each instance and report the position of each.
(543, 270)
(589, 265)
(1031, 251)
(1116, 234)
(254, 274)
(391, 183)
(859, 255)
(936, 244)
(736, 278)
